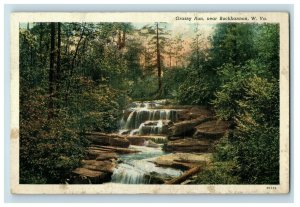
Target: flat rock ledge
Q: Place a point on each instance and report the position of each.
(183, 161)
(211, 130)
(188, 145)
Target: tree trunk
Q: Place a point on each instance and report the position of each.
(184, 176)
(121, 39)
(235, 47)
(197, 48)
(51, 71)
(158, 62)
(124, 38)
(119, 43)
(72, 66)
(41, 63)
(58, 60)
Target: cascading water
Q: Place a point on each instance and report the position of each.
(144, 118)
(134, 167)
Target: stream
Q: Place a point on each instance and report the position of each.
(134, 167)
(145, 118)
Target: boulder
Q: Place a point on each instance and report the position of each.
(187, 145)
(183, 160)
(186, 127)
(183, 115)
(193, 112)
(106, 156)
(107, 139)
(212, 129)
(98, 153)
(103, 166)
(198, 111)
(136, 140)
(93, 153)
(98, 139)
(119, 142)
(87, 176)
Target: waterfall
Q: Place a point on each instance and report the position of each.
(128, 174)
(141, 113)
(145, 118)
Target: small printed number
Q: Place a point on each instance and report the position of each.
(271, 188)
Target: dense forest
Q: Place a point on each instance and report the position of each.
(79, 77)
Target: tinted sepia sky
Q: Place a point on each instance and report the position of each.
(187, 30)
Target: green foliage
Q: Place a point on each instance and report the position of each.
(245, 60)
(49, 148)
(257, 150)
(144, 88)
(223, 169)
(97, 108)
(132, 57)
(254, 143)
(232, 43)
(217, 173)
(194, 91)
(200, 80)
(252, 95)
(267, 47)
(224, 149)
(172, 80)
(260, 94)
(50, 154)
(88, 93)
(230, 92)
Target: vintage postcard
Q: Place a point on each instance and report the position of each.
(155, 103)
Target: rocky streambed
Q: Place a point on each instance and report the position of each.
(157, 143)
